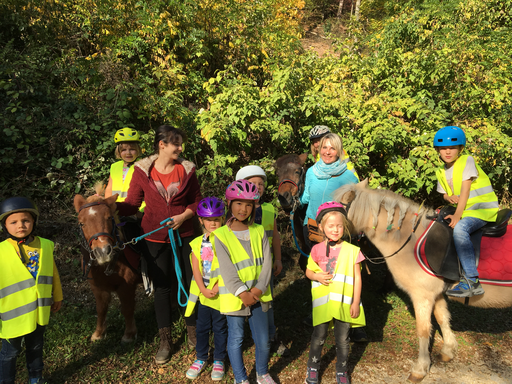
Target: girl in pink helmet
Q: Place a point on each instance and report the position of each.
(244, 261)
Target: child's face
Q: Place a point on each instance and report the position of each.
(172, 150)
(259, 183)
(19, 224)
(210, 224)
(332, 226)
(128, 153)
(450, 154)
(241, 209)
(316, 142)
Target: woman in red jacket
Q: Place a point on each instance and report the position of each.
(168, 184)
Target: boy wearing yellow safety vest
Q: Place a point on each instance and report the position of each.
(335, 274)
(463, 184)
(28, 278)
(242, 255)
(266, 215)
(204, 286)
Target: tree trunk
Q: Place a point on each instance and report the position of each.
(358, 9)
(340, 9)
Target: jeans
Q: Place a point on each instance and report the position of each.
(34, 354)
(342, 344)
(461, 237)
(270, 312)
(258, 322)
(211, 319)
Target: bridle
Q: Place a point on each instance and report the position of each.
(299, 186)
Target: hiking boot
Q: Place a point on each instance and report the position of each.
(466, 288)
(265, 379)
(358, 335)
(312, 377)
(342, 378)
(218, 370)
(164, 351)
(191, 333)
(195, 369)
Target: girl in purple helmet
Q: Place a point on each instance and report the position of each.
(245, 263)
(204, 286)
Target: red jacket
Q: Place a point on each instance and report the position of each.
(142, 188)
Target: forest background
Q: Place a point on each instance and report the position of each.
(234, 75)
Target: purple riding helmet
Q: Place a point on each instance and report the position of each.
(330, 206)
(210, 207)
(242, 190)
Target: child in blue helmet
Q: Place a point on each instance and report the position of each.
(464, 185)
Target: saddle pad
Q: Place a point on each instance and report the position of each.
(495, 266)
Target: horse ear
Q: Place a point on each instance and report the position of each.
(78, 201)
(364, 183)
(111, 202)
(303, 158)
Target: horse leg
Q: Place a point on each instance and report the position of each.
(102, 302)
(126, 295)
(423, 310)
(443, 319)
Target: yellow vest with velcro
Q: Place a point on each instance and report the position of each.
(248, 271)
(195, 293)
(24, 301)
(482, 202)
(333, 301)
(118, 185)
(268, 216)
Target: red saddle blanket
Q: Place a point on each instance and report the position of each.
(495, 265)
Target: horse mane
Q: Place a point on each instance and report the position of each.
(99, 188)
(368, 202)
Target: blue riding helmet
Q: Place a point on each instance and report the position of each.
(449, 136)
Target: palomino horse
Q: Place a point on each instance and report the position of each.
(393, 224)
(105, 266)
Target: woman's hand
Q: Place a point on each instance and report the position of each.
(323, 278)
(176, 221)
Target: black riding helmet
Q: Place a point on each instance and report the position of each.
(17, 204)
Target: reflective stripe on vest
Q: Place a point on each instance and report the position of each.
(334, 301)
(248, 271)
(482, 202)
(195, 293)
(118, 185)
(268, 217)
(24, 301)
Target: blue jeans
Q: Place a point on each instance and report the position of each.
(258, 322)
(271, 323)
(11, 348)
(341, 330)
(211, 319)
(461, 237)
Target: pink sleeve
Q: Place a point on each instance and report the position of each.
(360, 257)
(314, 252)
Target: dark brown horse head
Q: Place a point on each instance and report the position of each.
(95, 216)
(290, 173)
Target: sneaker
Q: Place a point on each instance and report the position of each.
(195, 369)
(242, 382)
(342, 378)
(37, 380)
(466, 288)
(265, 379)
(312, 377)
(358, 335)
(218, 370)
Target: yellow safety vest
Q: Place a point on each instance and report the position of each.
(482, 202)
(350, 165)
(24, 301)
(194, 293)
(248, 271)
(118, 185)
(268, 216)
(333, 301)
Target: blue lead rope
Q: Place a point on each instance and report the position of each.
(177, 268)
(295, 236)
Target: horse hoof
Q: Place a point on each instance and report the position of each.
(415, 378)
(445, 358)
(97, 338)
(128, 340)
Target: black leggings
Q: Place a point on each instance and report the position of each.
(161, 270)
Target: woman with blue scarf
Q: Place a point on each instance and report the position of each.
(322, 179)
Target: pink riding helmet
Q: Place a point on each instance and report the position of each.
(242, 190)
(330, 206)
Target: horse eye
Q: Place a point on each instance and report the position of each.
(81, 224)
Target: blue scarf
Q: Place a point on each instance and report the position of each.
(325, 171)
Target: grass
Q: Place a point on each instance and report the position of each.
(71, 358)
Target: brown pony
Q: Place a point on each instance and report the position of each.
(109, 271)
(373, 211)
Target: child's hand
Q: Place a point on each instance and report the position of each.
(354, 310)
(278, 267)
(453, 199)
(248, 298)
(56, 306)
(209, 293)
(323, 278)
(215, 288)
(453, 220)
(257, 292)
